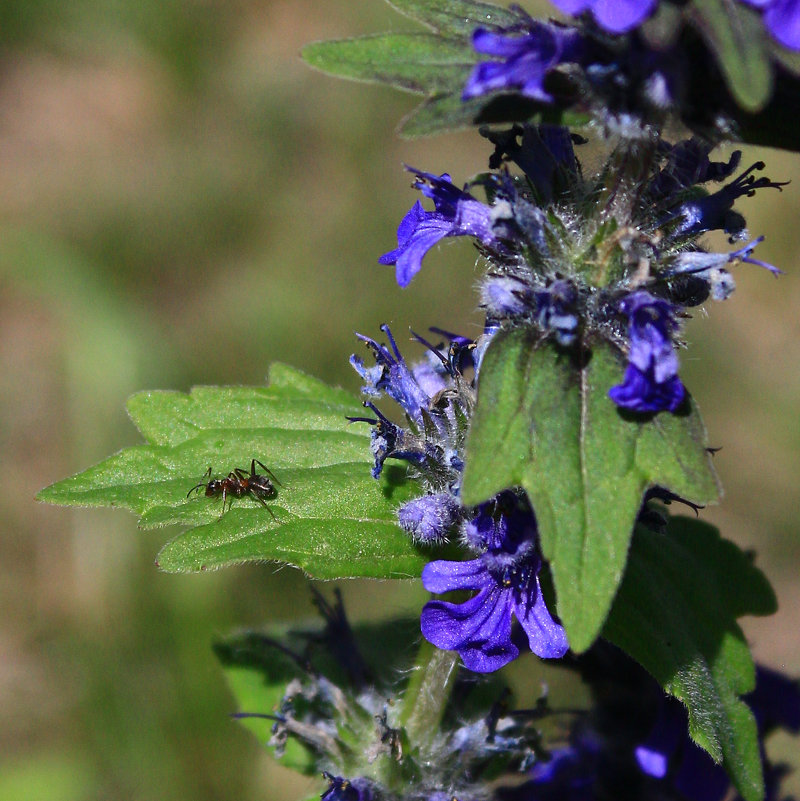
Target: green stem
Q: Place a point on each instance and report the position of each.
(428, 692)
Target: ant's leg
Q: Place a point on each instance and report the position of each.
(265, 469)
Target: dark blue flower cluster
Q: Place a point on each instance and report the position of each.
(781, 17)
(631, 742)
(603, 65)
(436, 399)
(782, 20)
(617, 16)
(643, 751)
(651, 377)
(505, 577)
(564, 256)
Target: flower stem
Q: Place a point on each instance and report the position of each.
(428, 693)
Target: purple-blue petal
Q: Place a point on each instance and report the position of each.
(457, 214)
(527, 57)
(640, 392)
(479, 629)
(419, 231)
(651, 382)
(614, 16)
(443, 576)
(547, 638)
(782, 19)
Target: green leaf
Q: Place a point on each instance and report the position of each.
(436, 65)
(545, 423)
(448, 112)
(257, 673)
(455, 17)
(422, 63)
(737, 36)
(676, 614)
(662, 29)
(329, 517)
(258, 668)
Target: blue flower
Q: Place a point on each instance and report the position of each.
(506, 579)
(715, 211)
(527, 57)
(782, 20)
(389, 440)
(457, 213)
(392, 376)
(651, 381)
(688, 164)
(710, 268)
(614, 16)
(433, 440)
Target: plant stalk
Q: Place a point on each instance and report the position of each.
(428, 693)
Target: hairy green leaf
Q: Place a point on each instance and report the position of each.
(455, 17)
(675, 613)
(258, 668)
(737, 36)
(448, 112)
(544, 422)
(257, 673)
(329, 516)
(423, 63)
(436, 65)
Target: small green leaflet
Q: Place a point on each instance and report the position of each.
(420, 63)
(332, 519)
(675, 613)
(455, 17)
(257, 673)
(738, 38)
(436, 64)
(258, 668)
(545, 423)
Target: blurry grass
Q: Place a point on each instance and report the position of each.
(182, 202)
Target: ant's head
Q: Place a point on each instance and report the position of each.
(214, 487)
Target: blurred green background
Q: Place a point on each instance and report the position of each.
(182, 201)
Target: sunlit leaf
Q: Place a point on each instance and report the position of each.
(328, 515)
(736, 35)
(454, 17)
(675, 613)
(544, 422)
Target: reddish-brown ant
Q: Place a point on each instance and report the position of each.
(238, 484)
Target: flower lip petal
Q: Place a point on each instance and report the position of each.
(613, 16)
(443, 576)
(546, 638)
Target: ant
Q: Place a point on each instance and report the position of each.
(238, 484)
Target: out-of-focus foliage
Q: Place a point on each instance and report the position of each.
(182, 202)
